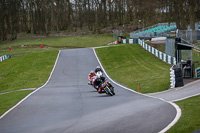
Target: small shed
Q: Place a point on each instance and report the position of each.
(120, 39)
(186, 66)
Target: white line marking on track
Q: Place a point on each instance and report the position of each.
(33, 91)
(175, 89)
(178, 115)
(178, 110)
(18, 90)
(116, 45)
(176, 100)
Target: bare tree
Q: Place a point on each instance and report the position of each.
(43, 17)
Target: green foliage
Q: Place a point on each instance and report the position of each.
(131, 64)
(196, 59)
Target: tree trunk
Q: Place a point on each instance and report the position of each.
(192, 17)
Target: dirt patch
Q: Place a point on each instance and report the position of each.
(156, 44)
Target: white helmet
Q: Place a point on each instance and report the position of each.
(92, 72)
(99, 74)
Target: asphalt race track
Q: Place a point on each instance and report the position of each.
(67, 104)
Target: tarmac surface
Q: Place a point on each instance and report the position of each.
(67, 104)
(180, 93)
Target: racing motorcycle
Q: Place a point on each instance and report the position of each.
(108, 88)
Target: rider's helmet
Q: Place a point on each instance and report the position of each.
(92, 73)
(98, 68)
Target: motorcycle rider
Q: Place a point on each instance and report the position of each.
(98, 69)
(98, 81)
(91, 74)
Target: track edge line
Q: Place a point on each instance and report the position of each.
(4, 114)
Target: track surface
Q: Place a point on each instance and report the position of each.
(68, 105)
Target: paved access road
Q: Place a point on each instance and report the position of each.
(68, 105)
(180, 93)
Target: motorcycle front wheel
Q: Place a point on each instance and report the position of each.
(109, 91)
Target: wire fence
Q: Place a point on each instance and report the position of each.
(169, 46)
(116, 33)
(192, 36)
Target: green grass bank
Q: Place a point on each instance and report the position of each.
(132, 65)
(190, 119)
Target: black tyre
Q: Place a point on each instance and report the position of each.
(108, 91)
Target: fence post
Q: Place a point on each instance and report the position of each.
(164, 57)
(124, 40)
(147, 46)
(130, 41)
(152, 50)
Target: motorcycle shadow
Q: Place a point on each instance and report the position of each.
(103, 95)
(93, 91)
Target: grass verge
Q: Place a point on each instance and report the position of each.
(28, 71)
(93, 40)
(10, 99)
(190, 120)
(131, 64)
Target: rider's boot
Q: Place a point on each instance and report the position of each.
(100, 90)
(89, 83)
